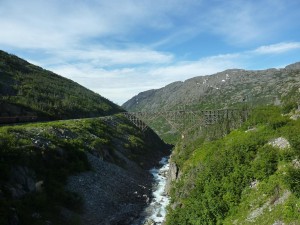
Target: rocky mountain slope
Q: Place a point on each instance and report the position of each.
(84, 171)
(30, 92)
(225, 89)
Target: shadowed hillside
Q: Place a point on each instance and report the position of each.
(28, 90)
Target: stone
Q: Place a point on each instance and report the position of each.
(21, 182)
(296, 163)
(280, 143)
(251, 129)
(254, 184)
(36, 215)
(149, 222)
(39, 186)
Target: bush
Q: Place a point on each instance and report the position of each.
(293, 180)
(266, 162)
(289, 106)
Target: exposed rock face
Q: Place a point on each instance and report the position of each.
(172, 175)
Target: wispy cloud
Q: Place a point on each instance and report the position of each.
(102, 56)
(277, 48)
(56, 24)
(122, 84)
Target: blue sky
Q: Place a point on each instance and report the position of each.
(120, 48)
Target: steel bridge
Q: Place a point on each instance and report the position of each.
(179, 119)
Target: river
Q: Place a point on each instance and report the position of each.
(156, 210)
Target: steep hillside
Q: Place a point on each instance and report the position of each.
(225, 89)
(84, 171)
(27, 90)
(250, 176)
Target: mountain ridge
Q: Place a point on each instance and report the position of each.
(193, 89)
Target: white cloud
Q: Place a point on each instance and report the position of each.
(203, 66)
(61, 24)
(277, 48)
(103, 44)
(121, 84)
(57, 24)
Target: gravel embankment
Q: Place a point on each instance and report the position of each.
(111, 194)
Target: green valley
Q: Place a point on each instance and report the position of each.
(81, 160)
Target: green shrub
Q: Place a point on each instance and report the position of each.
(293, 180)
(289, 106)
(135, 142)
(266, 162)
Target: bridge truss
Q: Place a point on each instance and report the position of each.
(180, 119)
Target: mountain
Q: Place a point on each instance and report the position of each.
(27, 91)
(233, 88)
(229, 88)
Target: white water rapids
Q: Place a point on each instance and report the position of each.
(156, 211)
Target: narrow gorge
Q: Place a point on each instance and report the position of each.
(218, 149)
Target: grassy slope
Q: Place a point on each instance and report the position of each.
(55, 150)
(214, 187)
(26, 89)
